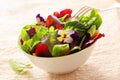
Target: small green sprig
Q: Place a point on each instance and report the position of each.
(19, 67)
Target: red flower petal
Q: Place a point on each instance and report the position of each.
(53, 21)
(66, 11)
(49, 21)
(57, 14)
(42, 50)
(93, 40)
(59, 27)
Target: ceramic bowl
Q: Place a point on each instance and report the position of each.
(63, 64)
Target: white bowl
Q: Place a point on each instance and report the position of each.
(63, 64)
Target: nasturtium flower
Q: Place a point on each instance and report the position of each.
(53, 21)
(64, 36)
(66, 14)
(63, 14)
(66, 11)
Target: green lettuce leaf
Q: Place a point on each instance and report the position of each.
(19, 67)
(85, 23)
(42, 31)
(93, 14)
(75, 49)
(92, 30)
(24, 35)
(76, 26)
(59, 50)
(52, 38)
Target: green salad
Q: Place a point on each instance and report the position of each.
(60, 34)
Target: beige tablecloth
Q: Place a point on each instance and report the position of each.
(104, 63)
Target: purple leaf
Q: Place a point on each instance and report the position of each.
(31, 32)
(93, 40)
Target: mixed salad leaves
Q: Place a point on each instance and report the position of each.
(60, 34)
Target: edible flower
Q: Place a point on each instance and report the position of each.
(64, 36)
(54, 21)
(63, 13)
(66, 13)
(40, 20)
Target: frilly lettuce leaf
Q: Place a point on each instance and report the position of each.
(93, 14)
(42, 31)
(51, 38)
